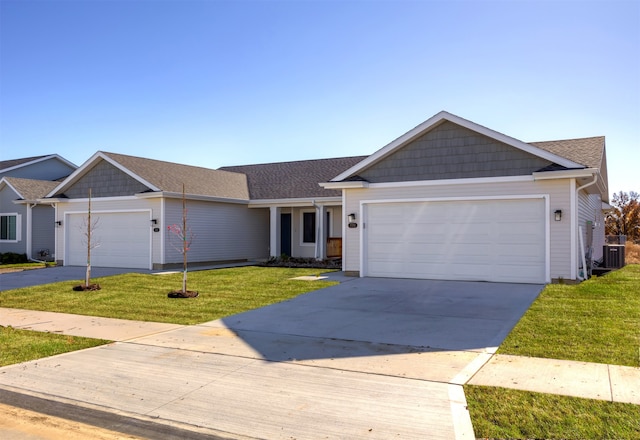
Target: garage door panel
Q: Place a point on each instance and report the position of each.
(122, 239)
(492, 240)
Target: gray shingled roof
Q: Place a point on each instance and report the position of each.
(5, 164)
(169, 177)
(585, 151)
(299, 179)
(30, 189)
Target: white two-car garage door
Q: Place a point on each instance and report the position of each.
(123, 239)
(476, 240)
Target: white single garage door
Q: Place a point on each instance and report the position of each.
(479, 240)
(123, 238)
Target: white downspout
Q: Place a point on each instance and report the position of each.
(29, 238)
(578, 189)
(318, 229)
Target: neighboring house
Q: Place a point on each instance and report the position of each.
(454, 200)
(264, 210)
(449, 200)
(26, 224)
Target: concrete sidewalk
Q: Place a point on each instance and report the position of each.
(570, 378)
(614, 383)
(110, 329)
(149, 380)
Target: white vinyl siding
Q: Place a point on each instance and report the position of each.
(590, 210)
(222, 231)
(557, 192)
(42, 231)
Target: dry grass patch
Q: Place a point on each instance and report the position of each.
(632, 253)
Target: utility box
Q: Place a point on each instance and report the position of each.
(613, 256)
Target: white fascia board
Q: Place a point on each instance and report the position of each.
(65, 161)
(86, 199)
(344, 185)
(35, 202)
(42, 159)
(53, 200)
(4, 182)
(175, 195)
(299, 202)
(565, 174)
(445, 116)
(82, 170)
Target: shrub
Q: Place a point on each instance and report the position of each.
(13, 258)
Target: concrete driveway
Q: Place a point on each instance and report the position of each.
(369, 358)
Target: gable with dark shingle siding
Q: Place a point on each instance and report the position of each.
(105, 180)
(450, 151)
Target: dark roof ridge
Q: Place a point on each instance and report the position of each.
(110, 154)
(569, 139)
(294, 161)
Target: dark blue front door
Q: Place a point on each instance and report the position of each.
(285, 234)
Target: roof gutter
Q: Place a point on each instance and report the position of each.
(344, 184)
(595, 179)
(565, 174)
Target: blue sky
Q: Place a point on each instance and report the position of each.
(215, 83)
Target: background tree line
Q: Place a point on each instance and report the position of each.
(624, 219)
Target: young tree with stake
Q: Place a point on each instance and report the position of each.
(185, 237)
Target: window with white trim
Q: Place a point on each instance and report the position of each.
(309, 227)
(10, 226)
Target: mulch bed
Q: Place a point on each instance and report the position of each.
(85, 288)
(181, 294)
(330, 263)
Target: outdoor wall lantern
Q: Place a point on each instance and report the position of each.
(558, 214)
(59, 223)
(352, 220)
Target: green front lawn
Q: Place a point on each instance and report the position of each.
(223, 292)
(513, 414)
(142, 297)
(23, 345)
(595, 321)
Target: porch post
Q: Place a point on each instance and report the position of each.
(321, 240)
(28, 229)
(274, 231)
